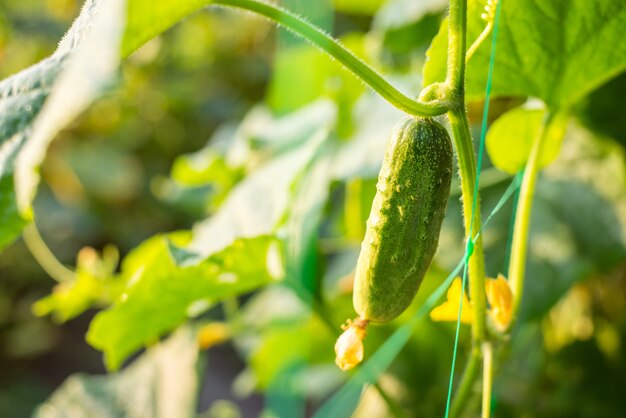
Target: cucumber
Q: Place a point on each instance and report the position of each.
(405, 219)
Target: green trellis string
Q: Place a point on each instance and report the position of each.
(470, 242)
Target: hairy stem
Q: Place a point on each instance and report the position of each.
(519, 246)
(333, 48)
(455, 84)
(476, 268)
(457, 29)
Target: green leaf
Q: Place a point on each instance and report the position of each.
(290, 337)
(160, 295)
(553, 50)
(161, 383)
(11, 223)
(95, 284)
(510, 139)
(259, 203)
(148, 18)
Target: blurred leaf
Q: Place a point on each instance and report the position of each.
(261, 136)
(95, 284)
(161, 295)
(412, 37)
(203, 167)
(547, 50)
(575, 233)
(258, 204)
(358, 7)
(161, 383)
(148, 18)
(359, 195)
(511, 136)
(286, 349)
(398, 13)
(10, 220)
(294, 84)
(362, 154)
(207, 176)
(302, 74)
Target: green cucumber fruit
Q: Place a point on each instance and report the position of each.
(405, 220)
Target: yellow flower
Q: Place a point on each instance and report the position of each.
(213, 333)
(500, 299)
(349, 345)
(449, 310)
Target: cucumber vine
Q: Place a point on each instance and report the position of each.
(449, 98)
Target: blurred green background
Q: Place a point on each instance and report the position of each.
(107, 181)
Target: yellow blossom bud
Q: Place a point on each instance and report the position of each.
(349, 345)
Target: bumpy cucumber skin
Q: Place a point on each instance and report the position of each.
(405, 220)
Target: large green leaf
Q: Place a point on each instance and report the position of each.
(558, 51)
(160, 295)
(161, 383)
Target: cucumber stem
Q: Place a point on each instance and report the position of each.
(455, 83)
(476, 268)
(332, 47)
